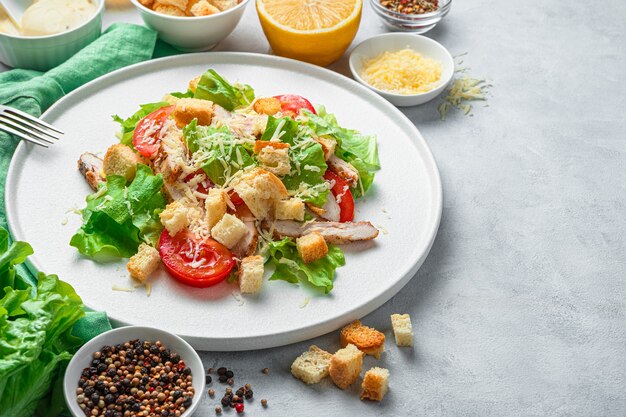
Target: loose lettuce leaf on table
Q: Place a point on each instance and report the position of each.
(218, 90)
(118, 217)
(129, 124)
(352, 146)
(290, 267)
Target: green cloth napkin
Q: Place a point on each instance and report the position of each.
(120, 45)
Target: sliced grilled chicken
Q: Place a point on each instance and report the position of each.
(248, 126)
(247, 245)
(90, 166)
(344, 169)
(333, 232)
(329, 211)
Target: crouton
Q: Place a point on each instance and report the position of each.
(369, 341)
(170, 99)
(251, 274)
(329, 144)
(121, 160)
(203, 8)
(144, 262)
(260, 190)
(275, 160)
(292, 209)
(215, 205)
(179, 4)
(168, 10)
(147, 3)
(187, 109)
(345, 366)
(312, 366)
(402, 329)
(375, 384)
(229, 230)
(260, 144)
(178, 215)
(311, 247)
(267, 105)
(223, 4)
(193, 84)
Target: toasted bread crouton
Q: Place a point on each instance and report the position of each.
(203, 8)
(193, 84)
(144, 262)
(187, 109)
(178, 215)
(260, 144)
(329, 144)
(375, 384)
(223, 4)
(292, 209)
(229, 230)
(215, 205)
(179, 4)
(369, 341)
(121, 160)
(311, 247)
(147, 3)
(251, 274)
(402, 329)
(345, 366)
(260, 190)
(275, 160)
(168, 10)
(312, 366)
(267, 105)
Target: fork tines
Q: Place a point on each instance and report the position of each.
(27, 127)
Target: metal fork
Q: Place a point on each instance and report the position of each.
(27, 127)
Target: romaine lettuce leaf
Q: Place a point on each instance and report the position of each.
(307, 160)
(128, 125)
(216, 89)
(352, 146)
(118, 217)
(290, 267)
(217, 151)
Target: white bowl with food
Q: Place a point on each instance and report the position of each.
(406, 69)
(192, 25)
(97, 377)
(50, 32)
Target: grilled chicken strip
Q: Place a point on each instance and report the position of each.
(329, 211)
(244, 125)
(333, 232)
(247, 245)
(90, 166)
(344, 169)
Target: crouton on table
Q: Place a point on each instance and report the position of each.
(312, 366)
(345, 366)
(369, 341)
(375, 384)
(402, 329)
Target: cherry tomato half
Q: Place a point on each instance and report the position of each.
(343, 195)
(292, 103)
(146, 136)
(195, 262)
(203, 186)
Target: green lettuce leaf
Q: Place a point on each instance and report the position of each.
(309, 154)
(128, 125)
(217, 150)
(118, 217)
(216, 89)
(352, 146)
(35, 335)
(290, 267)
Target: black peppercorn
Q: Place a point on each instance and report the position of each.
(226, 401)
(221, 371)
(209, 379)
(223, 378)
(230, 374)
(249, 394)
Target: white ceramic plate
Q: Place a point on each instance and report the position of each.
(43, 186)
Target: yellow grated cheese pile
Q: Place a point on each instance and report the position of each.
(402, 72)
(463, 90)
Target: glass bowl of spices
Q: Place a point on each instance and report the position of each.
(417, 16)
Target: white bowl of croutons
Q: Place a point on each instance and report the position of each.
(191, 25)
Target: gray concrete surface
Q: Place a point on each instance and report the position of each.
(520, 308)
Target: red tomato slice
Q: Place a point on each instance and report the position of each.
(199, 263)
(146, 136)
(235, 199)
(343, 195)
(294, 103)
(204, 186)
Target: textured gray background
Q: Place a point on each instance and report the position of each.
(520, 308)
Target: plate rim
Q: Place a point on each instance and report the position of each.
(293, 335)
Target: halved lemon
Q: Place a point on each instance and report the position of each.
(315, 31)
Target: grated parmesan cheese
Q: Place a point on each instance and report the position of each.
(463, 90)
(403, 72)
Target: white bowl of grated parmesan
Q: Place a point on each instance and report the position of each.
(406, 69)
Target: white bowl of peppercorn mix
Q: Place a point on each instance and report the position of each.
(418, 16)
(134, 372)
